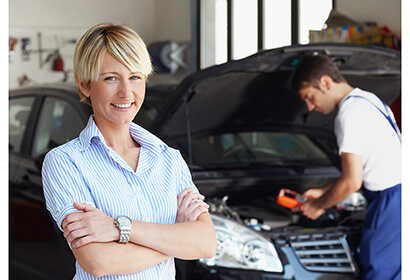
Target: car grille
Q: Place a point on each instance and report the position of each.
(324, 253)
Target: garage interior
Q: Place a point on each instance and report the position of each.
(43, 33)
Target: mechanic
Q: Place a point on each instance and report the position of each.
(125, 201)
(369, 144)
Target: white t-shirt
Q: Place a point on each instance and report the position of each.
(362, 129)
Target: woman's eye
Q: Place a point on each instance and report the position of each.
(136, 77)
(109, 79)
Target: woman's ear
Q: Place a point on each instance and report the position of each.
(83, 87)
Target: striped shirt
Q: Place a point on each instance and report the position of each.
(87, 170)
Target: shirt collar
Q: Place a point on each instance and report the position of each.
(147, 140)
(353, 92)
(143, 137)
(89, 132)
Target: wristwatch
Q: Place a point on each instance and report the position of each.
(123, 223)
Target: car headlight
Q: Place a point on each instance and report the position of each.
(240, 247)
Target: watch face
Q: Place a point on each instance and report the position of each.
(125, 221)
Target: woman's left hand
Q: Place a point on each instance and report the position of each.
(91, 225)
(190, 206)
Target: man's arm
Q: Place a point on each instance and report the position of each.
(349, 182)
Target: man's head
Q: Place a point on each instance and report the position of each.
(123, 43)
(319, 83)
(311, 68)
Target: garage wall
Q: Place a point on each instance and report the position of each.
(381, 11)
(154, 20)
(173, 19)
(61, 23)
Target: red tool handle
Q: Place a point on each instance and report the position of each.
(289, 198)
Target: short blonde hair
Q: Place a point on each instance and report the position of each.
(123, 43)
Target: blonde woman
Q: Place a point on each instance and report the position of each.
(124, 199)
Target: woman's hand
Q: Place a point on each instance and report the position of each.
(190, 206)
(91, 225)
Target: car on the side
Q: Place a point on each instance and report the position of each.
(42, 117)
(245, 135)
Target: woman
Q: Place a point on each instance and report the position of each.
(124, 199)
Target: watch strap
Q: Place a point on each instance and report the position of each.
(125, 229)
(124, 235)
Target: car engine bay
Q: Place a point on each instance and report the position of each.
(327, 245)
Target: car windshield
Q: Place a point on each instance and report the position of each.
(153, 102)
(256, 148)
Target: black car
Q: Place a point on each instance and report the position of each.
(41, 118)
(245, 135)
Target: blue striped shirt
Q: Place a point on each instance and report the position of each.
(87, 170)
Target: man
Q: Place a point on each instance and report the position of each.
(370, 150)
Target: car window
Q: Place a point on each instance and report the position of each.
(257, 147)
(149, 110)
(147, 114)
(19, 111)
(58, 123)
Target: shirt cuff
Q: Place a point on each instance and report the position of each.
(68, 210)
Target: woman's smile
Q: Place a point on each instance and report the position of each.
(122, 105)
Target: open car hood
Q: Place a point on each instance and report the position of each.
(255, 92)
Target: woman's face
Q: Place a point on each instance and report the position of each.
(118, 93)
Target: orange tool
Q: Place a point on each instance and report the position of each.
(289, 198)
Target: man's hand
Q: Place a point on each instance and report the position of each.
(313, 193)
(190, 206)
(310, 210)
(91, 225)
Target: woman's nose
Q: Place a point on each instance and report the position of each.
(125, 89)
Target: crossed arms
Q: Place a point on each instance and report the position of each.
(93, 235)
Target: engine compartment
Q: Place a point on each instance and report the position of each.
(326, 245)
(265, 215)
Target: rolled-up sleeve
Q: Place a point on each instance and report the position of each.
(63, 185)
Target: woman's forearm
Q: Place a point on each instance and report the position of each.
(113, 258)
(156, 243)
(191, 240)
(92, 235)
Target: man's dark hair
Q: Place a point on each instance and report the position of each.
(311, 68)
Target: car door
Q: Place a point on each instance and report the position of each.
(20, 109)
(38, 123)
